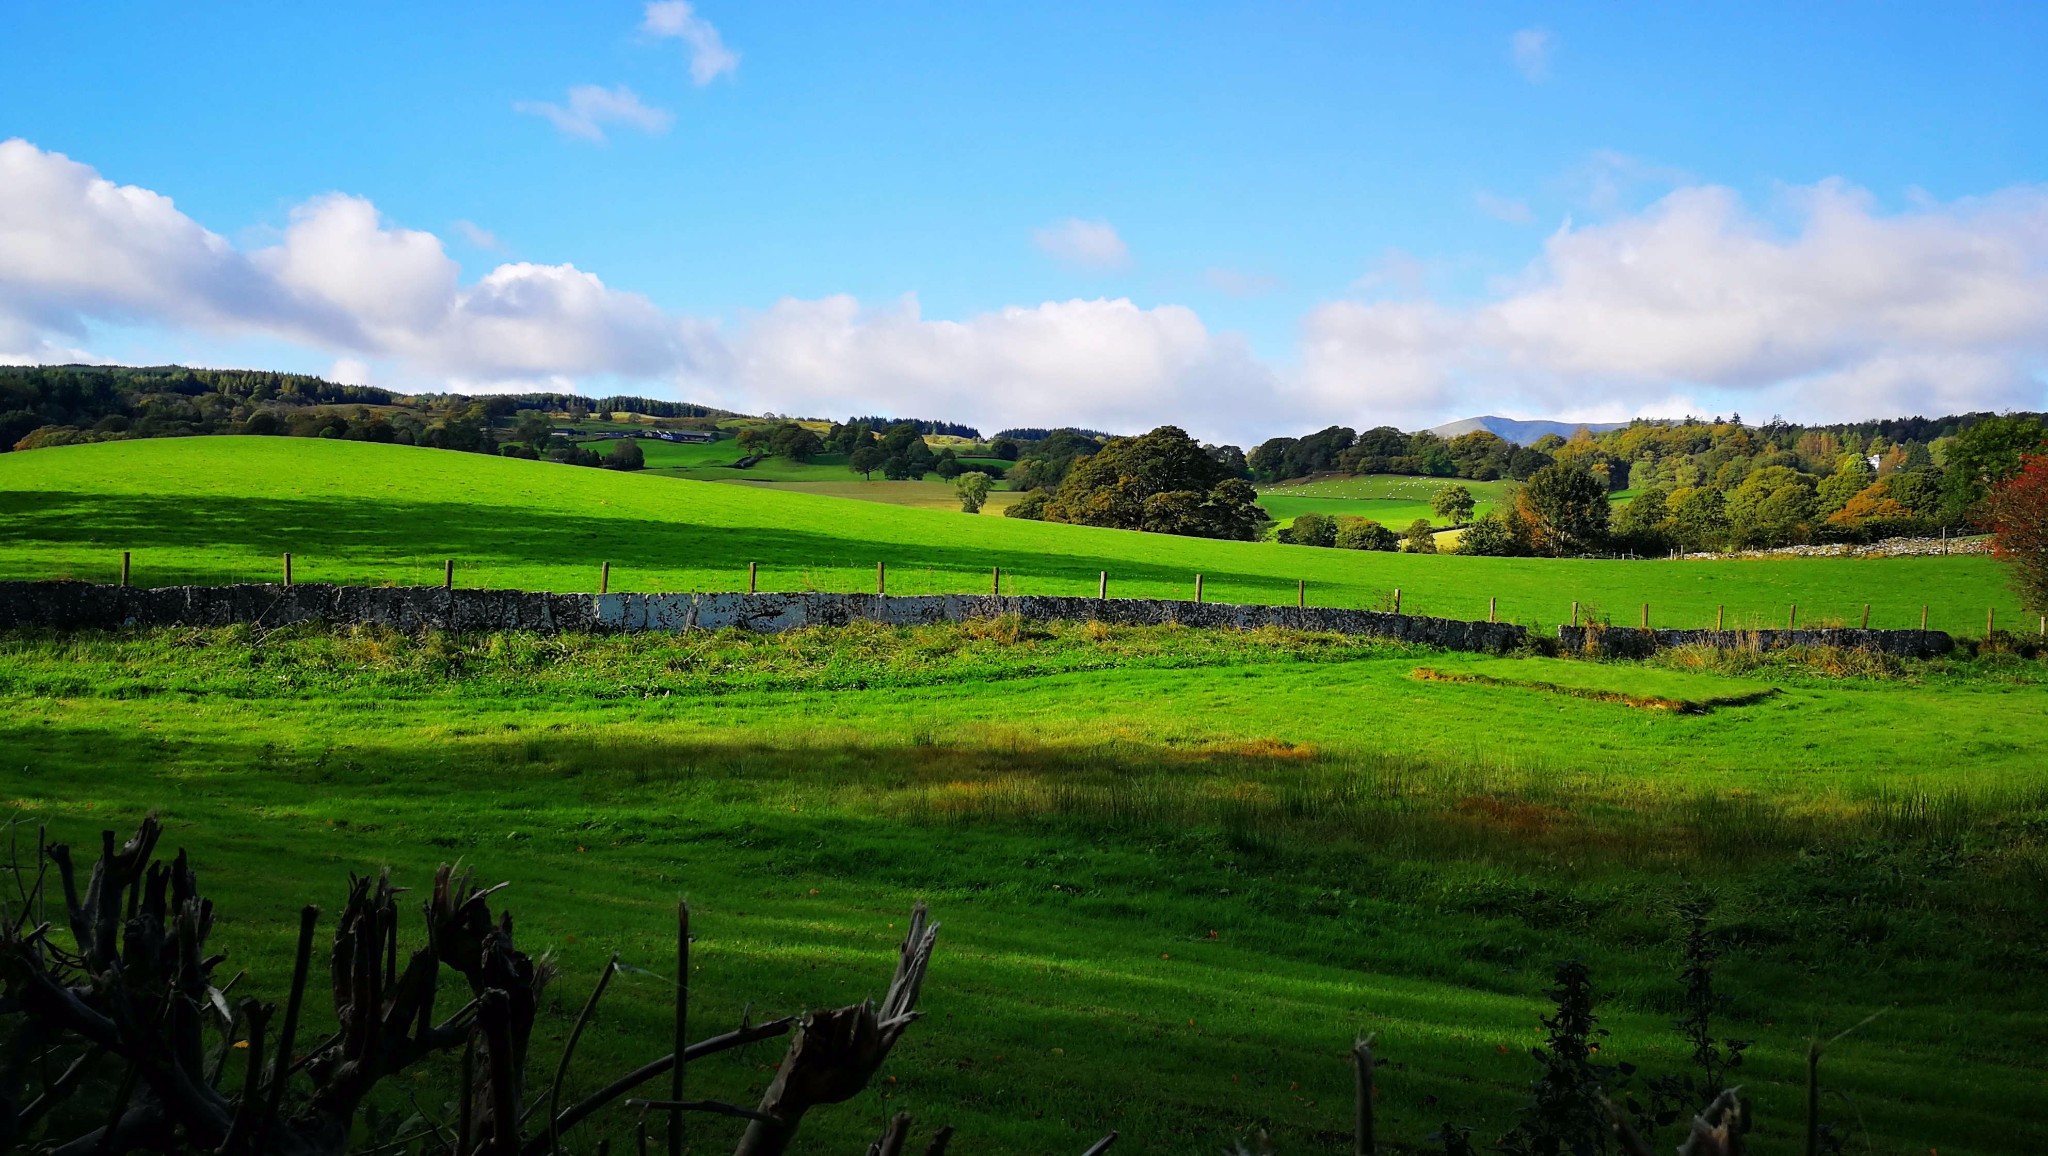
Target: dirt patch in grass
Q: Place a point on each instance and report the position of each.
(1639, 701)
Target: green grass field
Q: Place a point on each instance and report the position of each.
(224, 509)
(1389, 499)
(1174, 881)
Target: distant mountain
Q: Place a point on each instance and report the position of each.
(1521, 432)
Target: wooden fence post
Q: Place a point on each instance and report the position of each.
(1720, 616)
(1301, 594)
(448, 574)
(1102, 585)
(1792, 618)
(287, 567)
(1198, 587)
(675, 1079)
(124, 569)
(1397, 600)
(1646, 616)
(1923, 616)
(753, 576)
(881, 577)
(604, 579)
(1990, 621)
(1866, 616)
(995, 579)
(1492, 609)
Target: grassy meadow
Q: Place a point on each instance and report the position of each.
(1174, 881)
(1391, 500)
(224, 509)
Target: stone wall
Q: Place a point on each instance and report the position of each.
(81, 605)
(1626, 642)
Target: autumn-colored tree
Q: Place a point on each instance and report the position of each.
(2019, 521)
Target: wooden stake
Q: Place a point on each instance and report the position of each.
(287, 567)
(448, 574)
(1301, 594)
(675, 1081)
(881, 578)
(1102, 585)
(604, 579)
(1720, 616)
(1363, 1141)
(1646, 616)
(1866, 616)
(1397, 600)
(1923, 616)
(1792, 619)
(753, 576)
(1492, 609)
(1198, 587)
(1990, 622)
(995, 580)
(1575, 614)
(124, 569)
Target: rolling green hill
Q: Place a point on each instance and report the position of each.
(223, 509)
(1390, 499)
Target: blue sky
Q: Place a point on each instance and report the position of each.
(1247, 218)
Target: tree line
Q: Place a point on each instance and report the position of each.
(71, 404)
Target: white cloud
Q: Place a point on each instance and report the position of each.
(678, 19)
(1698, 303)
(1530, 50)
(1853, 313)
(76, 248)
(1087, 245)
(477, 236)
(1505, 209)
(348, 371)
(1239, 283)
(1103, 363)
(590, 107)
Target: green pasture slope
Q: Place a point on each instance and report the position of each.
(224, 509)
(1390, 499)
(1176, 870)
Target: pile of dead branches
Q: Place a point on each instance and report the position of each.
(129, 998)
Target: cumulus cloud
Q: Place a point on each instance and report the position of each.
(678, 19)
(1104, 363)
(1851, 312)
(1530, 50)
(1821, 305)
(76, 249)
(477, 236)
(1092, 246)
(589, 108)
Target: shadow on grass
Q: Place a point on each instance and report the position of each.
(384, 531)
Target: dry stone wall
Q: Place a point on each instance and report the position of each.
(81, 605)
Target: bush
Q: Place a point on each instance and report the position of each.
(1311, 530)
(1421, 537)
(1365, 534)
(973, 490)
(626, 454)
(2019, 518)
(1032, 506)
(1489, 537)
